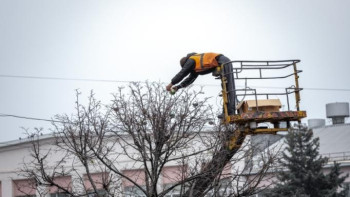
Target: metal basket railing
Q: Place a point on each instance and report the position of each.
(238, 71)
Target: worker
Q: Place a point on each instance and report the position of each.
(194, 64)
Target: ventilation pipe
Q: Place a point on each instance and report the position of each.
(337, 112)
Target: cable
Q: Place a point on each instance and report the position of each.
(83, 79)
(128, 81)
(37, 119)
(29, 118)
(66, 79)
(328, 89)
(274, 87)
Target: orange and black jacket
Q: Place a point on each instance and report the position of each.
(191, 68)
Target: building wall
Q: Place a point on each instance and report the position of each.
(15, 154)
(12, 158)
(271, 178)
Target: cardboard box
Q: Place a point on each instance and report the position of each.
(267, 105)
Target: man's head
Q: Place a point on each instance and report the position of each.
(184, 59)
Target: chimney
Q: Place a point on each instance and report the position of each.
(337, 112)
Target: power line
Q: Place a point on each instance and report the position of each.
(29, 118)
(129, 81)
(316, 89)
(65, 79)
(83, 79)
(275, 87)
(32, 118)
(329, 89)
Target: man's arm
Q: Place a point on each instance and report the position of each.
(188, 81)
(186, 69)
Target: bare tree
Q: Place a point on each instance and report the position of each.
(68, 154)
(135, 139)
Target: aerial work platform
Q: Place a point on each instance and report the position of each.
(259, 109)
(256, 111)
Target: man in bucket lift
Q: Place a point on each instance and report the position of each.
(195, 64)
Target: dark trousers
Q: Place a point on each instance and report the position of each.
(230, 85)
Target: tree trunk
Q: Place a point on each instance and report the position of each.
(214, 168)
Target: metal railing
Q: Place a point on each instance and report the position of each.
(239, 67)
(338, 156)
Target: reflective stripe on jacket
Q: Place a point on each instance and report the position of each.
(205, 61)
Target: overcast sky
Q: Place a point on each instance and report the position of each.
(137, 40)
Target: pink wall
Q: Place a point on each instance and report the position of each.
(97, 178)
(346, 170)
(266, 181)
(64, 181)
(226, 172)
(137, 176)
(24, 187)
(173, 174)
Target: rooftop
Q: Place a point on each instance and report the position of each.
(333, 138)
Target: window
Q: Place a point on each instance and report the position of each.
(173, 195)
(59, 195)
(133, 191)
(100, 193)
(224, 189)
(27, 196)
(174, 192)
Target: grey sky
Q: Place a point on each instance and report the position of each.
(137, 40)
